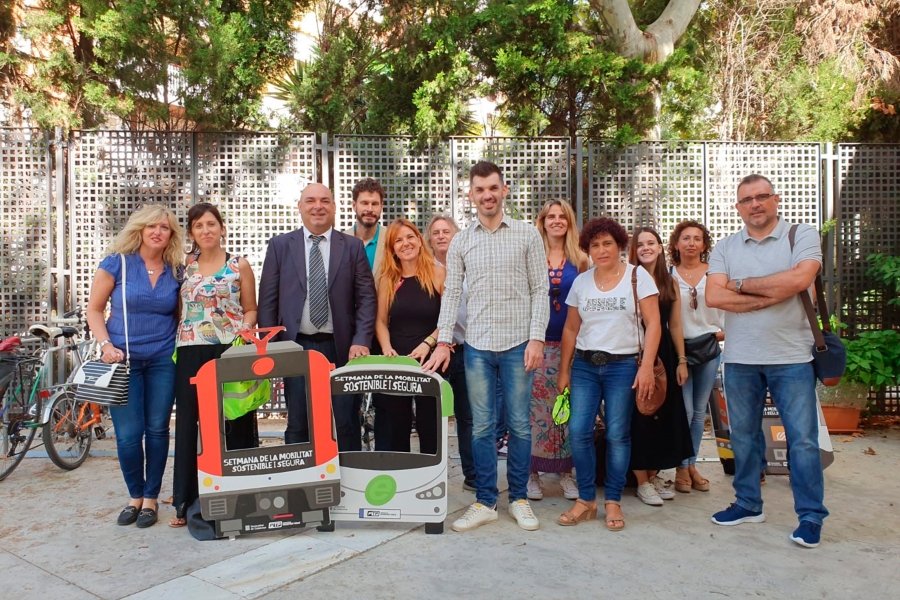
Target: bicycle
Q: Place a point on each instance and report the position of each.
(37, 393)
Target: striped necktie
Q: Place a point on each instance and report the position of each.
(318, 284)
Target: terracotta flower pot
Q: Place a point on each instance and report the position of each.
(841, 419)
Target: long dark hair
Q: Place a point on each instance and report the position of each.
(660, 271)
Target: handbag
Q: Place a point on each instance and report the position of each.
(701, 349)
(103, 383)
(829, 353)
(242, 397)
(648, 406)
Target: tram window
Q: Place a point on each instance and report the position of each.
(244, 432)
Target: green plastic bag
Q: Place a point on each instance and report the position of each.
(241, 397)
(561, 408)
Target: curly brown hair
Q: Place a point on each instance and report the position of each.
(672, 250)
(599, 226)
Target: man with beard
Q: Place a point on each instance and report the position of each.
(368, 202)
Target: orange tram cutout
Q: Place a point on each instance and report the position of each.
(263, 489)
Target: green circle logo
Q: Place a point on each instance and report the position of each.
(381, 490)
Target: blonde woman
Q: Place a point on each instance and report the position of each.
(409, 304)
(550, 451)
(152, 244)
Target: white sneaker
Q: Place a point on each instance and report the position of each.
(569, 487)
(520, 510)
(647, 493)
(477, 515)
(533, 489)
(662, 488)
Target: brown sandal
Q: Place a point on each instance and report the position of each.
(588, 513)
(177, 522)
(683, 482)
(610, 521)
(698, 481)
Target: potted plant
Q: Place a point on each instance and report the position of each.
(873, 361)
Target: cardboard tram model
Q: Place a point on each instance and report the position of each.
(262, 489)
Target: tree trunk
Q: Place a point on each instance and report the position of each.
(657, 42)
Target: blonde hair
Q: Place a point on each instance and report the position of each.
(434, 219)
(572, 251)
(129, 239)
(390, 266)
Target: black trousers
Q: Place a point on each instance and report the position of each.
(345, 406)
(397, 411)
(240, 433)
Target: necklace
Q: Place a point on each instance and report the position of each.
(154, 270)
(600, 284)
(555, 279)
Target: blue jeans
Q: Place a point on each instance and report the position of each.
(793, 389)
(483, 369)
(591, 384)
(142, 425)
(696, 391)
(462, 412)
(501, 414)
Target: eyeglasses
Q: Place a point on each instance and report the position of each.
(555, 292)
(759, 198)
(693, 291)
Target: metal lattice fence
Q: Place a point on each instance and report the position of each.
(660, 184)
(25, 228)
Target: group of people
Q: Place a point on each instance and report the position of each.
(511, 314)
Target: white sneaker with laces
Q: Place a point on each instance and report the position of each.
(477, 515)
(662, 489)
(533, 488)
(520, 510)
(647, 494)
(569, 487)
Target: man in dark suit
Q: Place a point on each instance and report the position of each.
(316, 282)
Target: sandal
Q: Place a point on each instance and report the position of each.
(698, 481)
(683, 484)
(176, 522)
(611, 522)
(588, 512)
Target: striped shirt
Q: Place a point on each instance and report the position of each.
(152, 311)
(505, 271)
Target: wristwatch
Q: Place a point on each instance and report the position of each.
(103, 343)
(738, 285)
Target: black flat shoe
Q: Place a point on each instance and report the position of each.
(128, 515)
(146, 518)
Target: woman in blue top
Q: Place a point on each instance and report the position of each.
(550, 451)
(153, 246)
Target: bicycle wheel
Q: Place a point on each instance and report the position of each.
(17, 427)
(65, 436)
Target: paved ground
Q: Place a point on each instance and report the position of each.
(58, 539)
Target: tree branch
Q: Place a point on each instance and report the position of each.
(657, 42)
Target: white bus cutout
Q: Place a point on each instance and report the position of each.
(394, 486)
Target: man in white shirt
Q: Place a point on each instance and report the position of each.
(503, 263)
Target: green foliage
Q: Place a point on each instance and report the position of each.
(873, 359)
(198, 63)
(886, 270)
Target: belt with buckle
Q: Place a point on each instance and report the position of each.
(600, 358)
(316, 337)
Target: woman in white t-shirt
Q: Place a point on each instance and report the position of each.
(689, 248)
(601, 334)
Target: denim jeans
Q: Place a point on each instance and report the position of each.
(793, 389)
(696, 391)
(483, 369)
(501, 414)
(142, 425)
(344, 406)
(456, 375)
(610, 383)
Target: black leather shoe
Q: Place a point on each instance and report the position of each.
(128, 515)
(146, 518)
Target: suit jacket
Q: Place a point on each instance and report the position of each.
(351, 289)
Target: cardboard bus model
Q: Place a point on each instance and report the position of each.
(261, 489)
(394, 486)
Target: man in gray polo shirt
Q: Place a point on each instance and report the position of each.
(755, 277)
